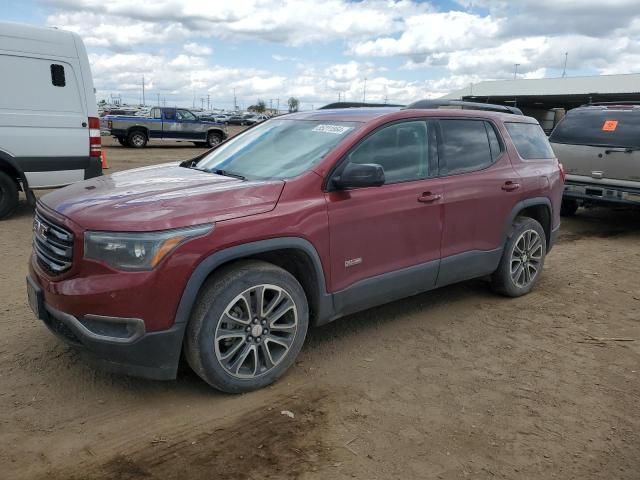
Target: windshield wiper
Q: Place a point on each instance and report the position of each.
(226, 173)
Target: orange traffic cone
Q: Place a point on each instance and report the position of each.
(103, 157)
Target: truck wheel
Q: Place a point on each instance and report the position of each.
(137, 139)
(522, 259)
(569, 207)
(122, 141)
(247, 326)
(213, 139)
(8, 195)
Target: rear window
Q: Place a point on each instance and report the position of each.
(465, 146)
(606, 127)
(530, 140)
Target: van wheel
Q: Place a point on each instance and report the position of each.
(569, 207)
(522, 259)
(137, 139)
(8, 195)
(247, 327)
(213, 139)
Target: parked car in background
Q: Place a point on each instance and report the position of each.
(295, 222)
(237, 120)
(599, 146)
(49, 125)
(164, 123)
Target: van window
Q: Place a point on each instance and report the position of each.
(530, 140)
(465, 146)
(599, 127)
(42, 95)
(401, 149)
(57, 75)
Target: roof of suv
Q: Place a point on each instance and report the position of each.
(367, 114)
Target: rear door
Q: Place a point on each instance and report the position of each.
(481, 187)
(388, 235)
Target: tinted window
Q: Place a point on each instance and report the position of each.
(400, 149)
(615, 128)
(465, 145)
(530, 140)
(494, 143)
(57, 76)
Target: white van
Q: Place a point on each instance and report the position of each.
(49, 126)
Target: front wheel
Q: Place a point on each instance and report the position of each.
(522, 259)
(247, 327)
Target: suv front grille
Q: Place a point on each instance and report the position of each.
(52, 244)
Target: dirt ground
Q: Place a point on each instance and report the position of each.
(455, 383)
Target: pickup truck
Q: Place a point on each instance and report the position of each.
(164, 123)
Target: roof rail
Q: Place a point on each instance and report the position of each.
(464, 105)
(357, 105)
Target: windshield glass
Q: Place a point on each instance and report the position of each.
(278, 148)
(607, 127)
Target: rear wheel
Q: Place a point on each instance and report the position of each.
(137, 139)
(247, 327)
(569, 207)
(8, 195)
(522, 259)
(213, 139)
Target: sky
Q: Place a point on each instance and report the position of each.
(396, 51)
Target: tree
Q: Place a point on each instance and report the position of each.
(261, 106)
(294, 103)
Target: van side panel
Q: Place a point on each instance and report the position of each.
(44, 115)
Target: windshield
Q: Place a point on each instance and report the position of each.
(278, 148)
(609, 128)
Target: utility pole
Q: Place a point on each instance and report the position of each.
(278, 105)
(143, 99)
(158, 98)
(235, 101)
(201, 103)
(564, 70)
(364, 91)
(386, 99)
(208, 102)
(515, 70)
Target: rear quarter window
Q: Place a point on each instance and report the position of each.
(530, 140)
(606, 127)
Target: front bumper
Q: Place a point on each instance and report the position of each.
(117, 344)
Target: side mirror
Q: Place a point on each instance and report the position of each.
(357, 175)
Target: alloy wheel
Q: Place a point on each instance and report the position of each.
(526, 258)
(256, 331)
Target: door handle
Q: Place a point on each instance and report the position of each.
(510, 186)
(428, 197)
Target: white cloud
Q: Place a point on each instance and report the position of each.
(197, 49)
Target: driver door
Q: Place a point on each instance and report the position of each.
(385, 241)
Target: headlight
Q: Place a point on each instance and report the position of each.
(137, 251)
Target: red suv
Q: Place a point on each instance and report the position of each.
(300, 220)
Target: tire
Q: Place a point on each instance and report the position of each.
(213, 139)
(201, 144)
(137, 139)
(218, 346)
(8, 195)
(569, 207)
(122, 141)
(526, 245)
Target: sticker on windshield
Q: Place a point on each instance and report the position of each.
(337, 129)
(610, 126)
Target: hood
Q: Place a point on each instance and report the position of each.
(161, 197)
